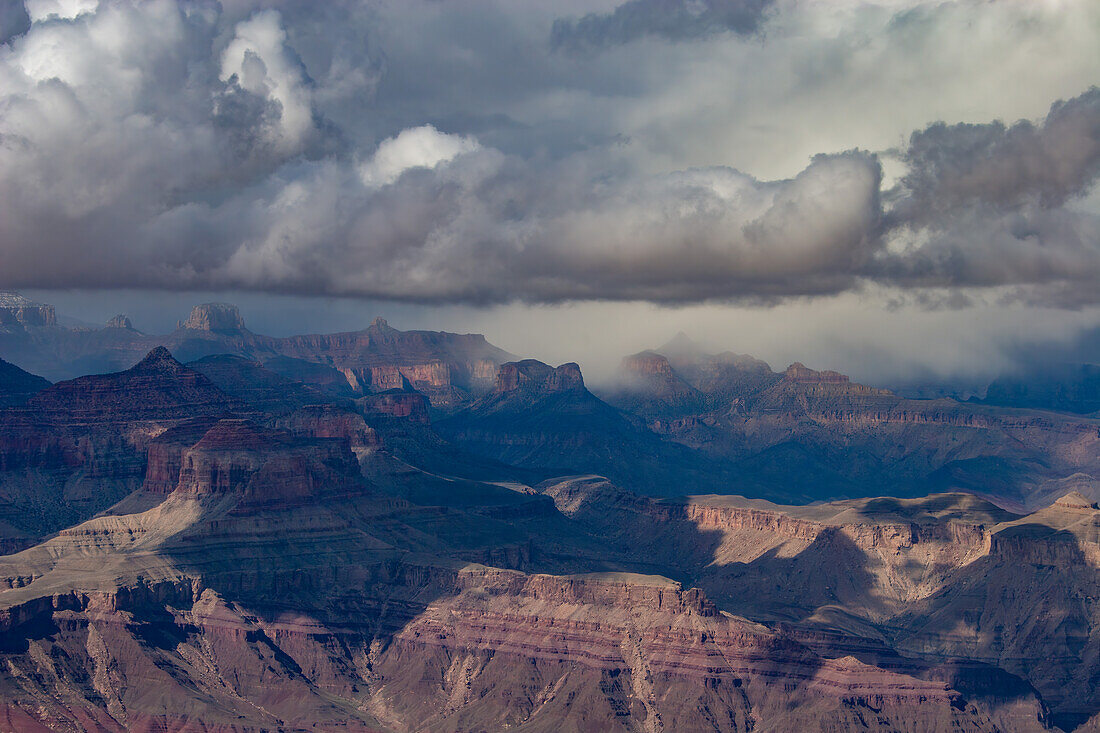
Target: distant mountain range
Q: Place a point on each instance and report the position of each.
(679, 419)
(445, 366)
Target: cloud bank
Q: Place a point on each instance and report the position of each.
(291, 148)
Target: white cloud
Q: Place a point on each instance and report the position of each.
(417, 147)
(64, 9)
(263, 65)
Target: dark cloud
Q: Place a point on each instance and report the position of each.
(270, 148)
(957, 166)
(14, 20)
(673, 20)
(992, 205)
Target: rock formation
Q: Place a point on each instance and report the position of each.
(947, 577)
(543, 418)
(121, 321)
(272, 588)
(17, 311)
(808, 435)
(451, 369)
(648, 386)
(531, 375)
(214, 317)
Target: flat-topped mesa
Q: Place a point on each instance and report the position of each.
(265, 466)
(121, 321)
(799, 372)
(620, 590)
(535, 376)
(15, 310)
(646, 364)
(801, 380)
(220, 317)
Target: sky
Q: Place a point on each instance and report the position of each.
(897, 189)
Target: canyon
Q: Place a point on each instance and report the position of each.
(413, 531)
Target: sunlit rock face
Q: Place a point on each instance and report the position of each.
(254, 594)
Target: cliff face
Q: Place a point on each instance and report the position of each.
(939, 578)
(214, 317)
(18, 312)
(543, 418)
(647, 385)
(808, 435)
(255, 388)
(260, 466)
(77, 447)
(289, 570)
(446, 367)
(406, 404)
(251, 615)
(535, 377)
(156, 388)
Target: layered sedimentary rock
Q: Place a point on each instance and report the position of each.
(806, 435)
(254, 387)
(156, 388)
(398, 403)
(17, 312)
(334, 610)
(449, 368)
(327, 379)
(263, 466)
(726, 377)
(543, 418)
(79, 446)
(536, 377)
(948, 577)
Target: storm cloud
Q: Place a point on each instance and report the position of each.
(673, 20)
(287, 148)
(996, 205)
